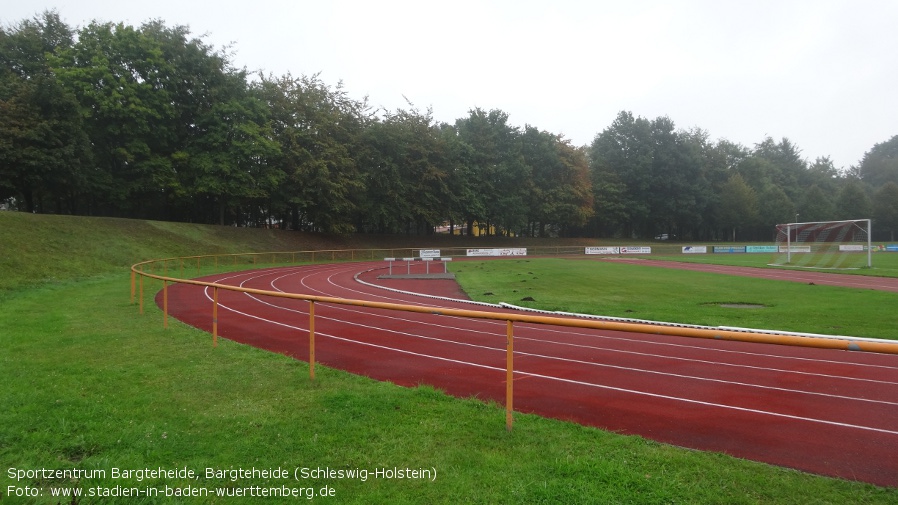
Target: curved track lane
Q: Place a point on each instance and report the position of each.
(823, 411)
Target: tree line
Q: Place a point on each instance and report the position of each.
(152, 122)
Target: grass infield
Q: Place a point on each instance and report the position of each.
(659, 294)
(87, 383)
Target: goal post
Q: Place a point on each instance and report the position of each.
(825, 244)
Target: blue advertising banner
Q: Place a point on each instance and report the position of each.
(761, 249)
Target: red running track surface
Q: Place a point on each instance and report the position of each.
(827, 412)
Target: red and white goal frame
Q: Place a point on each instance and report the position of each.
(826, 238)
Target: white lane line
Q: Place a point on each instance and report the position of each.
(588, 363)
(573, 331)
(582, 383)
(330, 270)
(597, 348)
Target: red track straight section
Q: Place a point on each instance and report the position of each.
(828, 412)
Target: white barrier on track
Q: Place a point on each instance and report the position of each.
(427, 260)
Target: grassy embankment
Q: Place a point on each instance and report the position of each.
(88, 383)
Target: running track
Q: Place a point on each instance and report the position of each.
(822, 411)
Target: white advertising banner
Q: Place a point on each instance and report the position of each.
(795, 248)
(636, 250)
(429, 253)
(852, 247)
(603, 250)
(514, 251)
(695, 249)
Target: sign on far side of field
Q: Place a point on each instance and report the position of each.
(518, 251)
(636, 250)
(602, 250)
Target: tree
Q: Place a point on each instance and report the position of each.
(720, 160)
(405, 161)
(572, 196)
(824, 174)
(880, 164)
(119, 78)
(234, 158)
(776, 209)
(738, 205)
(610, 213)
(815, 205)
(885, 208)
(499, 174)
(560, 193)
(318, 129)
(463, 198)
(786, 167)
(853, 202)
(622, 156)
(43, 148)
(677, 189)
(197, 78)
(422, 163)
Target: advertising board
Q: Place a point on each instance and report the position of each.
(760, 249)
(603, 250)
(795, 248)
(514, 251)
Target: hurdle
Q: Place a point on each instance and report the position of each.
(426, 260)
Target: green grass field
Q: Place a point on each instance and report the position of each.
(658, 294)
(87, 383)
(885, 264)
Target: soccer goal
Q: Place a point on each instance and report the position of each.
(825, 244)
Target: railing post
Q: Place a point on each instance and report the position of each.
(311, 340)
(141, 294)
(133, 281)
(509, 376)
(165, 304)
(214, 316)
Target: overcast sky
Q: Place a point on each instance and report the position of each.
(823, 73)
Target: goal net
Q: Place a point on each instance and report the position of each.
(826, 244)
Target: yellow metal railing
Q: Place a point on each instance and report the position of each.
(138, 273)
